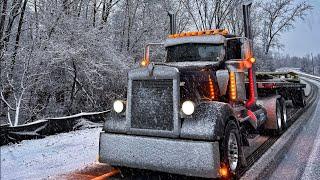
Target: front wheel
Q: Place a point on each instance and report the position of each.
(231, 150)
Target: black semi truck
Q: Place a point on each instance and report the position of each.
(192, 114)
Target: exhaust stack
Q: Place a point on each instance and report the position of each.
(246, 19)
(253, 94)
(173, 28)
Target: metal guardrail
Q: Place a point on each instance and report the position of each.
(317, 78)
(48, 126)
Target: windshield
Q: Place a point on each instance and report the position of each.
(194, 52)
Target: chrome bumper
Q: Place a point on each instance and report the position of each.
(191, 158)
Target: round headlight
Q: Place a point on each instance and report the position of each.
(118, 106)
(188, 107)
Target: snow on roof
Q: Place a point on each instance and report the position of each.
(215, 39)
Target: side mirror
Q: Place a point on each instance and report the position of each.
(146, 60)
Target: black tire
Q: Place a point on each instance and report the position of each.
(303, 97)
(300, 99)
(279, 118)
(284, 114)
(230, 150)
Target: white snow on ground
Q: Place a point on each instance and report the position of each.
(53, 155)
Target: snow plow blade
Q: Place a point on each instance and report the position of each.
(191, 158)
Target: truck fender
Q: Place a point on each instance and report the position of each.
(207, 122)
(269, 104)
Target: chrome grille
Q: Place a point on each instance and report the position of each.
(152, 105)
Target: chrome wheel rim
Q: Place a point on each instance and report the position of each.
(279, 117)
(233, 152)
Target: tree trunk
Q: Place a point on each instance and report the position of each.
(12, 16)
(72, 94)
(2, 21)
(66, 6)
(94, 12)
(80, 7)
(16, 46)
(103, 11)
(18, 107)
(106, 9)
(9, 117)
(37, 19)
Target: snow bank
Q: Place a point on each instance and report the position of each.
(51, 156)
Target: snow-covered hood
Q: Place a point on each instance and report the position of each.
(195, 65)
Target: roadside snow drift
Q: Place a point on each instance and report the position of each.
(51, 156)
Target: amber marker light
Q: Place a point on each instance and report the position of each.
(223, 171)
(200, 33)
(233, 88)
(182, 34)
(211, 86)
(144, 63)
(252, 60)
(225, 32)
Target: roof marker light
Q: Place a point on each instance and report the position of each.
(182, 34)
(188, 34)
(201, 33)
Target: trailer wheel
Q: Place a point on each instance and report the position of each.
(284, 114)
(231, 149)
(279, 114)
(300, 99)
(303, 97)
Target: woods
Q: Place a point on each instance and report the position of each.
(68, 56)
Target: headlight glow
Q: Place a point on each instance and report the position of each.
(188, 108)
(118, 106)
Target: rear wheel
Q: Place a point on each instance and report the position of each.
(279, 117)
(231, 150)
(300, 99)
(284, 114)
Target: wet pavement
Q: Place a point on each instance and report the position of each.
(302, 161)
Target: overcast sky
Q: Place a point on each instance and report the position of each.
(305, 38)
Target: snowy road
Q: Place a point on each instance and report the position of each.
(48, 157)
(302, 161)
